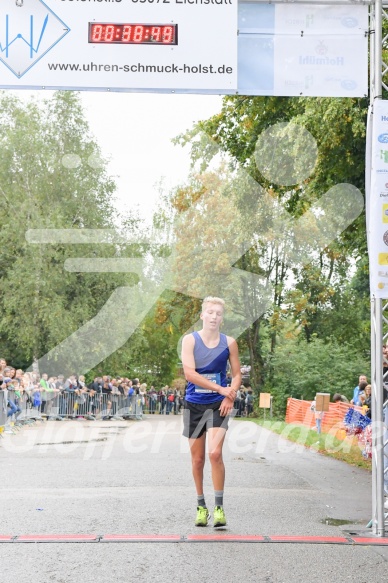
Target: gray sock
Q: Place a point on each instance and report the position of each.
(201, 500)
(219, 495)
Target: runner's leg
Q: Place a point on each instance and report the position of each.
(197, 449)
(216, 437)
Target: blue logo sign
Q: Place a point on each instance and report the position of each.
(348, 84)
(383, 138)
(349, 21)
(27, 33)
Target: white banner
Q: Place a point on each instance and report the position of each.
(197, 46)
(119, 44)
(310, 20)
(303, 50)
(320, 65)
(377, 220)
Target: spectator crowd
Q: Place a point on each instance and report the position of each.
(56, 397)
(60, 397)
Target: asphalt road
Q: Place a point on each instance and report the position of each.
(117, 477)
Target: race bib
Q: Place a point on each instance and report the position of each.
(214, 378)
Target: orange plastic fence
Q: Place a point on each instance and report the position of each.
(300, 412)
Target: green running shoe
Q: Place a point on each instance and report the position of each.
(219, 517)
(202, 516)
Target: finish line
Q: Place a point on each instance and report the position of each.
(195, 538)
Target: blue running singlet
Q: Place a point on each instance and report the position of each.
(211, 363)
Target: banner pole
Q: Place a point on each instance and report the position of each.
(376, 84)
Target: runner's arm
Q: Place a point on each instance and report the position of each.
(227, 404)
(234, 361)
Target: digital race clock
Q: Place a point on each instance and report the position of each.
(133, 33)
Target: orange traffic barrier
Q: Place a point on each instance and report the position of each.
(299, 412)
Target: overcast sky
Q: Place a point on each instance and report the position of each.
(135, 133)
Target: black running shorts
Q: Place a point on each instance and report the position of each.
(197, 419)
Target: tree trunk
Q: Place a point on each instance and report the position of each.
(255, 356)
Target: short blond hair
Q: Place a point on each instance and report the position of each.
(213, 300)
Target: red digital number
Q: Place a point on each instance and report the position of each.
(126, 38)
(156, 33)
(109, 33)
(168, 34)
(97, 33)
(138, 34)
(129, 33)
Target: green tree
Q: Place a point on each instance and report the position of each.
(313, 292)
(51, 176)
(302, 369)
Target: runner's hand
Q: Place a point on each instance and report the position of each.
(228, 392)
(226, 407)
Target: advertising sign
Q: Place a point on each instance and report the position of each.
(119, 44)
(303, 50)
(196, 46)
(377, 220)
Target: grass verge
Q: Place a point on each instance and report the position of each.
(347, 450)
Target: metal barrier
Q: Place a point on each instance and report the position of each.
(3, 410)
(162, 405)
(10, 423)
(40, 404)
(74, 405)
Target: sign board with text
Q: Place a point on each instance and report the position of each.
(377, 209)
(197, 46)
(119, 45)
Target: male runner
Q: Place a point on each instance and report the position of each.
(209, 401)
